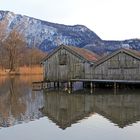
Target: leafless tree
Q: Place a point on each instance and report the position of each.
(3, 28)
(13, 50)
(13, 46)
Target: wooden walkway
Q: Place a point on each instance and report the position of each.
(91, 82)
(106, 81)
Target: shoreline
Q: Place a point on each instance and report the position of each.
(24, 70)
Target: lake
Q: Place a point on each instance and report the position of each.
(27, 114)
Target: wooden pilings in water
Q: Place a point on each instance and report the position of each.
(47, 85)
(70, 85)
(92, 87)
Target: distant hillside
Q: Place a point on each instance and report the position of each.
(46, 35)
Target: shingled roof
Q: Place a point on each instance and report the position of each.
(131, 52)
(84, 53)
(90, 56)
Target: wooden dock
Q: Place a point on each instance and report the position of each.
(106, 81)
(92, 84)
(39, 85)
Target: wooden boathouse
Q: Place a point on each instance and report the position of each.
(72, 64)
(117, 68)
(124, 64)
(68, 62)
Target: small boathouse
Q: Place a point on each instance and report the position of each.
(71, 64)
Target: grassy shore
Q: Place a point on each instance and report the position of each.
(24, 70)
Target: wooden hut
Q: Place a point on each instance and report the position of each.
(68, 62)
(123, 64)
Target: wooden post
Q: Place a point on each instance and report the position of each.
(42, 85)
(91, 85)
(54, 85)
(83, 85)
(58, 84)
(115, 85)
(46, 85)
(94, 86)
(69, 84)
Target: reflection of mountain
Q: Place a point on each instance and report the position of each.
(66, 109)
(18, 103)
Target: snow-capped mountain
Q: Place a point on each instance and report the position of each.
(46, 35)
(103, 46)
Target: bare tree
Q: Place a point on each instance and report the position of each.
(3, 28)
(13, 50)
(13, 46)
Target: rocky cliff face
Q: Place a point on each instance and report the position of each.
(47, 36)
(103, 46)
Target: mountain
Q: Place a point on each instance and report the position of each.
(103, 46)
(46, 35)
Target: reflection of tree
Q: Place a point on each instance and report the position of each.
(65, 109)
(17, 106)
(11, 105)
(17, 103)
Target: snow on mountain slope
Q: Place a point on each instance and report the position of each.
(45, 35)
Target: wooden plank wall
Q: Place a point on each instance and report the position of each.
(74, 68)
(120, 67)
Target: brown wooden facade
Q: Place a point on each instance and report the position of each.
(123, 64)
(68, 62)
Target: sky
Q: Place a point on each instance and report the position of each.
(109, 19)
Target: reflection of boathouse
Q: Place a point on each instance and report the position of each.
(67, 109)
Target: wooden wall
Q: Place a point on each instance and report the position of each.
(64, 65)
(121, 66)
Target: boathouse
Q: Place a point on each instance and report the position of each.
(68, 62)
(124, 64)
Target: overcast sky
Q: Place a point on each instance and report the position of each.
(110, 19)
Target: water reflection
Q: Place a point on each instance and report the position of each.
(66, 109)
(18, 104)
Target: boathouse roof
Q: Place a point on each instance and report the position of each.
(80, 52)
(131, 52)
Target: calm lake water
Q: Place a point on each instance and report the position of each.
(58, 115)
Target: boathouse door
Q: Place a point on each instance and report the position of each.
(63, 73)
(79, 71)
